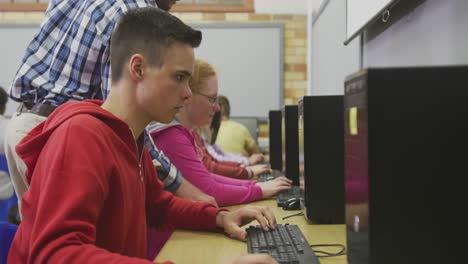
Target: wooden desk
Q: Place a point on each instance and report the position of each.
(206, 248)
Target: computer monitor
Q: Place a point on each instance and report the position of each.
(405, 163)
(321, 150)
(251, 123)
(291, 143)
(275, 144)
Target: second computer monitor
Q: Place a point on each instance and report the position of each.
(322, 158)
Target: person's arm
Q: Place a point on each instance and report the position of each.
(220, 155)
(249, 144)
(178, 213)
(255, 158)
(232, 181)
(177, 143)
(254, 149)
(187, 191)
(168, 212)
(172, 178)
(226, 168)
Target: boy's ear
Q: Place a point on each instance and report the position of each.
(136, 65)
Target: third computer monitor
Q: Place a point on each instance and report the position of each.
(275, 145)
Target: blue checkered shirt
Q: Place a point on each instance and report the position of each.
(69, 59)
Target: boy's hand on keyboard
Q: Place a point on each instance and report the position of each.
(254, 259)
(232, 221)
(273, 187)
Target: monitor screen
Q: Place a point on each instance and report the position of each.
(251, 123)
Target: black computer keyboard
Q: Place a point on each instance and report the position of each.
(286, 244)
(294, 192)
(263, 177)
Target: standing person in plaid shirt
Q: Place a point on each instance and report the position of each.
(68, 60)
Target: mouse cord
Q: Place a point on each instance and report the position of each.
(325, 254)
(291, 215)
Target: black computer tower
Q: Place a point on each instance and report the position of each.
(275, 134)
(291, 140)
(406, 142)
(322, 148)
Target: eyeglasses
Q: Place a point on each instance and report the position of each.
(212, 99)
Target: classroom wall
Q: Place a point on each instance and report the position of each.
(435, 33)
(281, 6)
(295, 35)
(330, 60)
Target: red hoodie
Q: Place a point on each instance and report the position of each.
(89, 201)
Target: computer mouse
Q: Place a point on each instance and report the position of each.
(292, 204)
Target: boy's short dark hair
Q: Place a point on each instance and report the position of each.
(148, 31)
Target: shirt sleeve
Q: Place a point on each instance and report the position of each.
(226, 180)
(220, 155)
(167, 171)
(168, 212)
(178, 144)
(226, 168)
(217, 153)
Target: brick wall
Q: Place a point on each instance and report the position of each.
(295, 40)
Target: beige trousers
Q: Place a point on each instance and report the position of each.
(18, 127)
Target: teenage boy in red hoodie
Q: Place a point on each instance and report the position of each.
(93, 188)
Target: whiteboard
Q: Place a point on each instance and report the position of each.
(360, 12)
(248, 59)
(15, 39)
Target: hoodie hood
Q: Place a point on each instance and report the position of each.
(158, 127)
(32, 144)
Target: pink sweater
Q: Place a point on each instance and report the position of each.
(178, 144)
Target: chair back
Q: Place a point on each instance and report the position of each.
(5, 205)
(7, 233)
